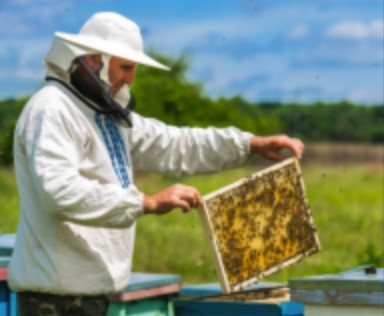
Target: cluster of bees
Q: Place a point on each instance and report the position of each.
(261, 223)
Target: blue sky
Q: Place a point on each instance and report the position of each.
(289, 51)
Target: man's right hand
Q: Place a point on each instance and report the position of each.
(177, 195)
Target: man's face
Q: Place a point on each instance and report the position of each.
(121, 71)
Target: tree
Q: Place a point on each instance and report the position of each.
(6, 142)
(170, 97)
(9, 112)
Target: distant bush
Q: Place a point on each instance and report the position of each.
(9, 112)
(172, 98)
(336, 122)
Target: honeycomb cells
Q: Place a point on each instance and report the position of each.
(261, 223)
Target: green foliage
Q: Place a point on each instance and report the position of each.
(263, 116)
(10, 108)
(6, 142)
(166, 95)
(169, 97)
(339, 122)
(9, 111)
(172, 98)
(371, 254)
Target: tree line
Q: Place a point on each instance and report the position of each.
(172, 98)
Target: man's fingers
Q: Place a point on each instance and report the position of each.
(175, 196)
(184, 205)
(191, 195)
(270, 146)
(188, 197)
(293, 144)
(297, 147)
(187, 201)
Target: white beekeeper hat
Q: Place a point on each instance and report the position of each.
(112, 34)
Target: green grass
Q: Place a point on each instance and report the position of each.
(346, 202)
(9, 202)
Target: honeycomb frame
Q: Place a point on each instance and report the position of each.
(258, 225)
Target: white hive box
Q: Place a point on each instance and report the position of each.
(259, 225)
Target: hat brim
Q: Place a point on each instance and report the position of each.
(110, 48)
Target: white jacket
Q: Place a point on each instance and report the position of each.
(78, 201)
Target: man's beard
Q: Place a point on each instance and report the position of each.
(123, 95)
(89, 84)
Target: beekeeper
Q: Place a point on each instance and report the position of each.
(76, 143)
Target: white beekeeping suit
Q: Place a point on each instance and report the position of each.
(74, 166)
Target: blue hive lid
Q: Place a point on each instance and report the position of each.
(140, 281)
(210, 289)
(363, 279)
(7, 243)
(4, 262)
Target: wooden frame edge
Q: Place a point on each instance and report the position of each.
(205, 219)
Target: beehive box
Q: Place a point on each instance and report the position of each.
(357, 292)
(259, 225)
(263, 298)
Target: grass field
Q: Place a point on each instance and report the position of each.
(346, 203)
(346, 200)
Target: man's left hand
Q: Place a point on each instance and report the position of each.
(270, 146)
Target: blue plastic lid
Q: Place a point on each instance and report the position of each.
(214, 288)
(7, 243)
(4, 262)
(140, 281)
(364, 278)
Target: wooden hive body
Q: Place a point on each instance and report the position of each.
(259, 225)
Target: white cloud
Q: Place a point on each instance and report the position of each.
(19, 24)
(26, 17)
(220, 75)
(22, 74)
(341, 54)
(178, 35)
(26, 52)
(173, 35)
(48, 13)
(30, 2)
(27, 68)
(20, 2)
(356, 30)
(213, 43)
(224, 71)
(299, 32)
(366, 96)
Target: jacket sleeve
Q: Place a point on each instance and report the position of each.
(185, 151)
(49, 145)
